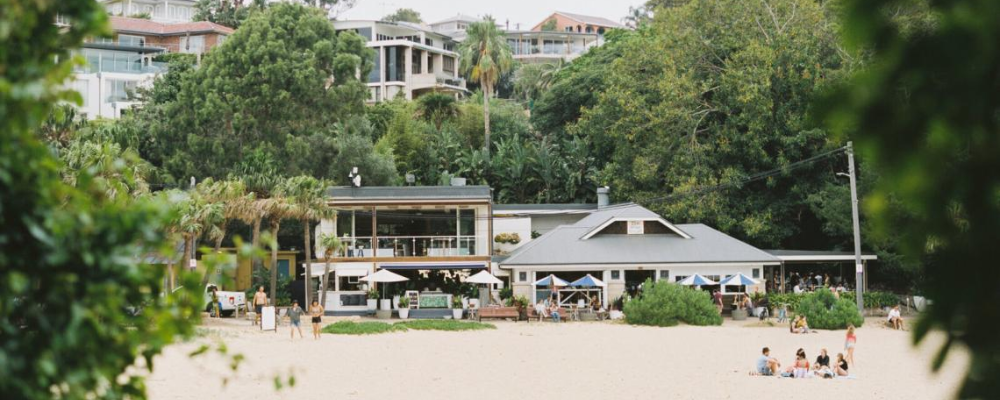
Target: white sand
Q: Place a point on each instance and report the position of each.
(542, 360)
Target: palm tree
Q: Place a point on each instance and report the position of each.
(278, 208)
(531, 80)
(228, 201)
(485, 56)
(331, 245)
(306, 194)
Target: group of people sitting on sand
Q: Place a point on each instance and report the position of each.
(799, 325)
(801, 368)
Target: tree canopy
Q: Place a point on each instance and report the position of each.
(404, 15)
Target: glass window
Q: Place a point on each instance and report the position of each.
(468, 222)
(616, 275)
(193, 44)
(522, 276)
(448, 64)
(119, 90)
(131, 40)
(664, 274)
(375, 75)
(756, 273)
(679, 278)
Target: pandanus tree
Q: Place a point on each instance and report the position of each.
(228, 200)
(305, 194)
(485, 56)
(278, 208)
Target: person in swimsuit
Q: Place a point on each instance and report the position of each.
(316, 311)
(849, 343)
(259, 301)
(841, 366)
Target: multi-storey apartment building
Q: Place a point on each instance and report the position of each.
(410, 59)
(167, 11)
(116, 66)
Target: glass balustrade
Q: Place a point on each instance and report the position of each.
(410, 246)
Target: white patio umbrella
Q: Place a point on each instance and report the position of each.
(484, 278)
(697, 280)
(738, 280)
(384, 276)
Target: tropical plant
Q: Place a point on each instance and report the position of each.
(824, 311)
(456, 300)
(507, 237)
(506, 293)
(331, 245)
(666, 304)
(305, 193)
(878, 300)
(532, 80)
(404, 302)
(404, 15)
(485, 56)
(278, 208)
(437, 108)
(372, 294)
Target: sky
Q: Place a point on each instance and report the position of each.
(526, 12)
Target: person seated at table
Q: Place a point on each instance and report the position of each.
(540, 309)
(895, 319)
(767, 365)
(595, 303)
(840, 367)
(747, 303)
(554, 311)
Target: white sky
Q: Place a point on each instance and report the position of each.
(527, 12)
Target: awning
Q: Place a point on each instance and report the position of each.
(419, 266)
(351, 272)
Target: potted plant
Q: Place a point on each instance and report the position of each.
(456, 306)
(404, 307)
(372, 299)
(522, 304)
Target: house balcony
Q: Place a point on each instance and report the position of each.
(409, 247)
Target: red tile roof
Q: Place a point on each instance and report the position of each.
(145, 26)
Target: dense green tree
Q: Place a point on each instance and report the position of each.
(437, 107)
(727, 103)
(532, 80)
(229, 108)
(925, 112)
(76, 307)
(404, 15)
(231, 13)
(485, 56)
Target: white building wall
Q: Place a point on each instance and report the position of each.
(519, 225)
(93, 89)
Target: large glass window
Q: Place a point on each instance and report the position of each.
(193, 44)
(119, 90)
(394, 66)
(131, 40)
(374, 76)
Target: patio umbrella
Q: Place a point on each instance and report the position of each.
(550, 280)
(384, 276)
(738, 280)
(485, 278)
(697, 280)
(588, 281)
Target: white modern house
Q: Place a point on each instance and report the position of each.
(117, 66)
(167, 11)
(410, 59)
(454, 27)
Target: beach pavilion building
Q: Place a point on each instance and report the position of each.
(624, 245)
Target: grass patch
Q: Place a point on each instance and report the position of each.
(361, 328)
(444, 325)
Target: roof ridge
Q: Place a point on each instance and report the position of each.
(534, 242)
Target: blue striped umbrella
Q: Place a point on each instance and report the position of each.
(550, 280)
(697, 280)
(738, 280)
(587, 281)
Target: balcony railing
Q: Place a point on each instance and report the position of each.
(411, 246)
(121, 66)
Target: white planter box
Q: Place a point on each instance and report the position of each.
(385, 304)
(372, 303)
(456, 313)
(404, 313)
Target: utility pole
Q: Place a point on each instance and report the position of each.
(858, 266)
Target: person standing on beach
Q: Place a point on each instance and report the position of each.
(849, 344)
(259, 301)
(295, 316)
(718, 301)
(316, 311)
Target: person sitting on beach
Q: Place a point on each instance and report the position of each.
(798, 325)
(747, 303)
(554, 311)
(840, 367)
(822, 365)
(767, 365)
(895, 319)
(540, 310)
(801, 365)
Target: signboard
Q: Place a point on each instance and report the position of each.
(635, 228)
(859, 268)
(192, 263)
(268, 322)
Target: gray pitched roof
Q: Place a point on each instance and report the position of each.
(565, 246)
(568, 208)
(592, 20)
(459, 18)
(367, 193)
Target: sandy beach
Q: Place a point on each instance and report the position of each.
(545, 360)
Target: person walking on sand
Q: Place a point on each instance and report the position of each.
(295, 317)
(849, 343)
(718, 301)
(259, 302)
(316, 311)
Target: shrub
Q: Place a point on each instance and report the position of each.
(792, 299)
(404, 302)
(827, 312)
(444, 325)
(506, 293)
(879, 299)
(666, 304)
(512, 238)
